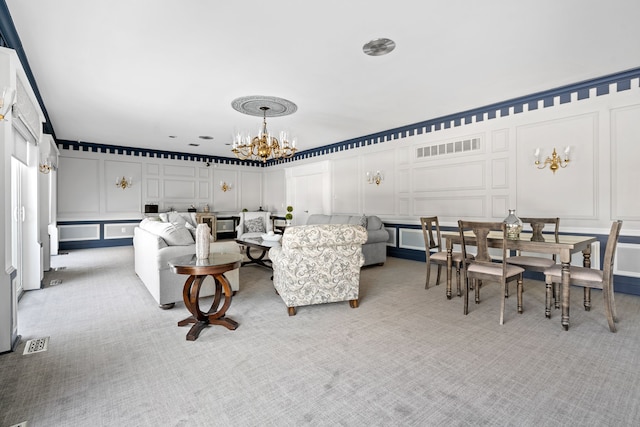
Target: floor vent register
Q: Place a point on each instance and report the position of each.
(36, 345)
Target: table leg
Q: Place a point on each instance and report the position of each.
(566, 296)
(586, 262)
(213, 316)
(449, 267)
(259, 260)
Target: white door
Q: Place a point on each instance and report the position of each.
(308, 197)
(17, 219)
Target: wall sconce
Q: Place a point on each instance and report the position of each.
(374, 178)
(224, 186)
(6, 101)
(554, 161)
(124, 183)
(45, 166)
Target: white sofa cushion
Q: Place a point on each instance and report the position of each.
(172, 234)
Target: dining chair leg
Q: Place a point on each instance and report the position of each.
(476, 285)
(587, 299)
(608, 309)
(547, 300)
(502, 302)
(466, 297)
(458, 280)
(519, 292)
(612, 303)
(438, 275)
(556, 296)
(426, 284)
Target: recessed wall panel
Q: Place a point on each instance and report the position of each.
(625, 152)
(179, 190)
(458, 176)
(452, 207)
(78, 177)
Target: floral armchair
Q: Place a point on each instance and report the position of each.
(318, 264)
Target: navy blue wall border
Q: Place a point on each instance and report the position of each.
(98, 243)
(624, 284)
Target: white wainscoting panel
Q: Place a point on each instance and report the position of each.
(251, 197)
(203, 172)
(179, 190)
(457, 176)
(500, 206)
(627, 260)
(226, 201)
(391, 241)
(625, 153)
(471, 206)
(376, 198)
(119, 231)
(403, 181)
(500, 140)
(572, 191)
(274, 192)
(203, 189)
(153, 188)
(411, 239)
(346, 181)
(76, 232)
(153, 169)
(79, 177)
(179, 171)
(117, 198)
(500, 173)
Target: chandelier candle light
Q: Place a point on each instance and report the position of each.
(264, 146)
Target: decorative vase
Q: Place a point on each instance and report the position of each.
(514, 225)
(202, 241)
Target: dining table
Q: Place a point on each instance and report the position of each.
(564, 246)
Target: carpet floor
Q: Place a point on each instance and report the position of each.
(406, 357)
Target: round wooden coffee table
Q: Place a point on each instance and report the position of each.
(198, 269)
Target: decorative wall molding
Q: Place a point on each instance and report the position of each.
(576, 92)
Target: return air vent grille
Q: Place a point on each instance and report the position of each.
(453, 147)
(36, 346)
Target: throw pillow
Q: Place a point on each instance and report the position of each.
(191, 229)
(255, 225)
(173, 234)
(363, 221)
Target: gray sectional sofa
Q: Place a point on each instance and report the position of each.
(375, 248)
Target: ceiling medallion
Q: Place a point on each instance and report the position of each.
(252, 105)
(264, 146)
(379, 47)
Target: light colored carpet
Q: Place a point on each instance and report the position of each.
(406, 356)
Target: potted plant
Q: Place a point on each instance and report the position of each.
(289, 216)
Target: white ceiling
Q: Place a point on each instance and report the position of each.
(131, 73)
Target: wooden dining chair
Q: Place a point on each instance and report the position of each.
(537, 263)
(435, 252)
(483, 268)
(590, 278)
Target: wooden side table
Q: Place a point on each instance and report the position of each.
(198, 269)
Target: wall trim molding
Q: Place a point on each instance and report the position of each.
(601, 86)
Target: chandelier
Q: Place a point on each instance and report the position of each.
(264, 146)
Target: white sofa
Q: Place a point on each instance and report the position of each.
(156, 241)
